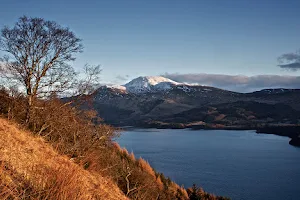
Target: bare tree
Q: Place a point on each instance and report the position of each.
(38, 57)
(89, 81)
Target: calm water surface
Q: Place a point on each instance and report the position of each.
(242, 165)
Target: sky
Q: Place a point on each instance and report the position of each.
(221, 40)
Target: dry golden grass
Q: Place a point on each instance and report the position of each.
(32, 169)
(146, 167)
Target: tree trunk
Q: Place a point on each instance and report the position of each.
(28, 109)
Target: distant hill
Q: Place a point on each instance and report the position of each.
(147, 99)
(239, 112)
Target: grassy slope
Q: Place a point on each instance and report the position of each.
(32, 169)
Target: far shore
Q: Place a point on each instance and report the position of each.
(290, 130)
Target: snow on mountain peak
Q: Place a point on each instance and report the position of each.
(149, 83)
(144, 84)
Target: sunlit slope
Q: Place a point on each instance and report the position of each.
(32, 169)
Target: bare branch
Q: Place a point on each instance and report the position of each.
(39, 52)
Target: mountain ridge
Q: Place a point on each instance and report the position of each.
(144, 103)
(144, 84)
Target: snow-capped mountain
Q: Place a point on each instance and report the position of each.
(149, 83)
(144, 84)
(156, 98)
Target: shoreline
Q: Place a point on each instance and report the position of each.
(291, 131)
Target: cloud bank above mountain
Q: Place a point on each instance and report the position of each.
(238, 83)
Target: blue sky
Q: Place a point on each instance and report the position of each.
(152, 37)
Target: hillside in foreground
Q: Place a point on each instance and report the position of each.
(63, 154)
(31, 169)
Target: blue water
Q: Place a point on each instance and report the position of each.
(242, 165)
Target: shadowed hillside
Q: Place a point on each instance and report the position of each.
(183, 103)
